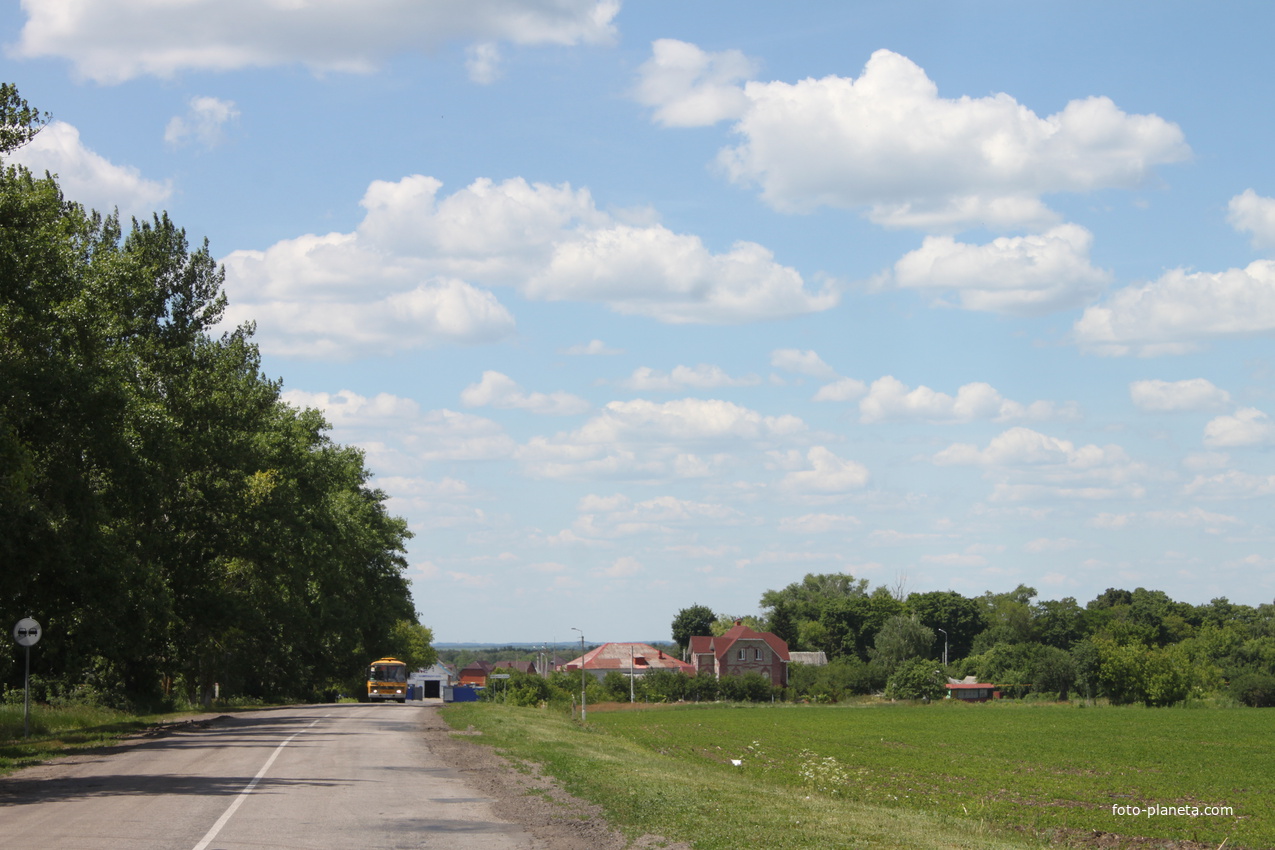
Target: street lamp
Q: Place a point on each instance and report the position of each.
(944, 631)
(574, 629)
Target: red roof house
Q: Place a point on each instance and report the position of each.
(740, 651)
(625, 658)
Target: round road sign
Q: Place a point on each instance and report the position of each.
(27, 632)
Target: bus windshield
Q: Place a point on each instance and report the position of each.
(389, 673)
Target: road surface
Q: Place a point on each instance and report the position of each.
(301, 778)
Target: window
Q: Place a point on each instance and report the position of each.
(757, 655)
(741, 654)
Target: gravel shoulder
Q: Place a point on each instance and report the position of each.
(525, 796)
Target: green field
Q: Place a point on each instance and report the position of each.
(1003, 774)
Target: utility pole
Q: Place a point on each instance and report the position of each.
(582, 709)
(944, 631)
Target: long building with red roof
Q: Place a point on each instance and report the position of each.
(625, 658)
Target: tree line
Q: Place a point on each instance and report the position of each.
(1136, 646)
(169, 520)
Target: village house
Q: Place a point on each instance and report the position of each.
(741, 651)
(636, 659)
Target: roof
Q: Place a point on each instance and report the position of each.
(719, 646)
(965, 686)
(814, 659)
(616, 656)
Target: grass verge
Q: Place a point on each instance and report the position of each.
(708, 803)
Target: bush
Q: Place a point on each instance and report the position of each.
(1254, 689)
(916, 679)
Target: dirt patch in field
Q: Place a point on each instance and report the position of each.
(525, 796)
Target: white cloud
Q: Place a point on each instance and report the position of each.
(1251, 213)
(652, 271)
(89, 178)
(1025, 465)
(818, 523)
(592, 348)
(482, 61)
(408, 276)
(702, 376)
(955, 559)
(617, 516)
(887, 142)
(111, 42)
(449, 435)
(1021, 275)
(499, 390)
(649, 440)
(689, 87)
(828, 473)
(1247, 427)
(843, 389)
(1169, 396)
(890, 399)
(621, 568)
(1232, 484)
(435, 313)
(1173, 314)
(801, 362)
(1042, 545)
(348, 409)
(204, 121)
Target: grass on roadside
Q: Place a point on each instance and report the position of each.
(55, 731)
(712, 805)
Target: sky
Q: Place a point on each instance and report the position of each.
(639, 305)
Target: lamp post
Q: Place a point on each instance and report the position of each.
(574, 629)
(944, 631)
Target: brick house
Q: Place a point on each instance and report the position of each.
(740, 651)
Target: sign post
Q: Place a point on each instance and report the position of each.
(27, 634)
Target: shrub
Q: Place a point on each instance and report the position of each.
(915, 679)
(1255, 689)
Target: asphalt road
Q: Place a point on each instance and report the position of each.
(304, 778)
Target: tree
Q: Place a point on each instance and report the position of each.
(691, 622)
(412, 643)
(19, 122)
(901, 639)
(946, 609)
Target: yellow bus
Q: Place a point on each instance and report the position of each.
(387, 680)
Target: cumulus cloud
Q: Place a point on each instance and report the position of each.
(689, 87)
(482, 61)
(827, 474)
(1170, 396)
(886, 142)
(499, 390)
(1021, 275)
(621, 568)
(1027, 465)
(1247, 427)
(702, 376)
(1253, 214)
(609, 517)
(410, 274)
(801, 362)
(649, 440)
(205, 121)
(88, 177)
(1232, 484)
(592, 348)
(348, 409)
(842, 389)
(111, 42)
(818, 523)
(1174, 314)
(890, 399)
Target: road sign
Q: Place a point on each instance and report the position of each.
(27, 632)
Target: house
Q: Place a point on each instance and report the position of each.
(635, 659)
(971, 689)
(813, 659)
(740, 651)
(475, 673)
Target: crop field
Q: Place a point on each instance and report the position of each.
(1002, 774)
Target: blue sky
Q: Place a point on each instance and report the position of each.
(635, 306)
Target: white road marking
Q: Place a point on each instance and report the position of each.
(243, 795)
